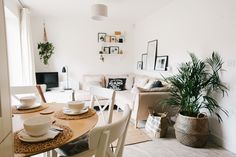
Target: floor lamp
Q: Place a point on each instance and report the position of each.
(65, 70)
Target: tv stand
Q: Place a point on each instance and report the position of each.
(58, 95)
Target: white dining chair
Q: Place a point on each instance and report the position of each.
(37, 90)
(100, 138)
(103, 98)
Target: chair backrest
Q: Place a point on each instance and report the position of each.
(101, 137)
(103, 97)
(28, 90)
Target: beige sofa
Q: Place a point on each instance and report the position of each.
(139, 98)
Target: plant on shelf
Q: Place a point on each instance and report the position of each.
(45, 48)
(45, 51)
(192, 90)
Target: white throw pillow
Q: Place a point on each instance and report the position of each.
(140, 81)
(88, 85)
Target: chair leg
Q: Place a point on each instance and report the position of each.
(136, 124)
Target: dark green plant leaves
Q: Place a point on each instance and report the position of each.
(193, 85)
(45, 51)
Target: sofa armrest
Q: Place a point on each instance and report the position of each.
(145, 100)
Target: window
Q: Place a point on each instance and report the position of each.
(14, 48)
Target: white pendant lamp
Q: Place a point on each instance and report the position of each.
(99, 12)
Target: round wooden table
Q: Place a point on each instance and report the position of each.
(79, 127)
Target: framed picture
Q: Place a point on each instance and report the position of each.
(102, 37)
(139, 65)
(161, 63)
(144, 60)
(108, 38)
(121, 39)
(151, 54)
(114, 50)
(113, 39)
(106, 50)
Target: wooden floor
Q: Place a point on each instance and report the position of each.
(170, 147)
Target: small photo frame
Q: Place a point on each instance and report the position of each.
(108, 38)
(161, 63)
(113, 39)
(102, 37)
(139, 65)
(106, 50)
(114, 50)
(121, 39)
(144, 60)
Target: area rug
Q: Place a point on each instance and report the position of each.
(134, 135)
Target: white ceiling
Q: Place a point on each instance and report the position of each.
(122, 10)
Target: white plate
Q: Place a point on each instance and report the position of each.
(70, 112)
(20, 107)
(23, 136)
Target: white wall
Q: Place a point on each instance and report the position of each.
(76, 46)
(13, 6)
(199, 26)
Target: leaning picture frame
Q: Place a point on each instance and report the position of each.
(161, 63)
(139, 65)
(144, 60)
(102, 37)
(151, 54)
(106, 50)
(114, 49)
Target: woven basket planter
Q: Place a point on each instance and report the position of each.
(192, 131)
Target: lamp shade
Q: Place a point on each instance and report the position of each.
(99, 12)
(64, 70)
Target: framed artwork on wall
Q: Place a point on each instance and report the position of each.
(161, 63)
(102, 37)
(144, 60)
(113, 39)
(139, 65)
(151, 54)
(114, 50)
(106, 50)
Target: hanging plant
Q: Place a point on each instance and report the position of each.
(45, 48)
(45, 51)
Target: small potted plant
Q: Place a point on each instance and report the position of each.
(192, 90)
(45, 48)
(45, 51)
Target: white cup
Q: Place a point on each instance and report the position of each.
(75, 105)
(27, 101)
(38, 125)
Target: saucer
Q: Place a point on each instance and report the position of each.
(20, 107)
(23, 136)
(70, 112)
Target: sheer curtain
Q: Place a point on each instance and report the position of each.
(28, 67)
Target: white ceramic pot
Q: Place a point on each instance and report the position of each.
(75, 105)
(38, 125)
(27, 101)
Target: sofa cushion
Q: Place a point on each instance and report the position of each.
(129, 80)
(91, 80)
(157, 89)
(118, 84)
(124, 97)
(140, 81)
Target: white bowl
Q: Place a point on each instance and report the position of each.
(75, 105)
(38, 125)
(27, 101)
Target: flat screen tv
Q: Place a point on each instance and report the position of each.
(48, 78)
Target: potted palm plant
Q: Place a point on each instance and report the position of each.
(192, 90)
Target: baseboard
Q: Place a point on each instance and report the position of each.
(220, 142)
(217, 140)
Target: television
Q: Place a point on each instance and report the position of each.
(48, 78)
